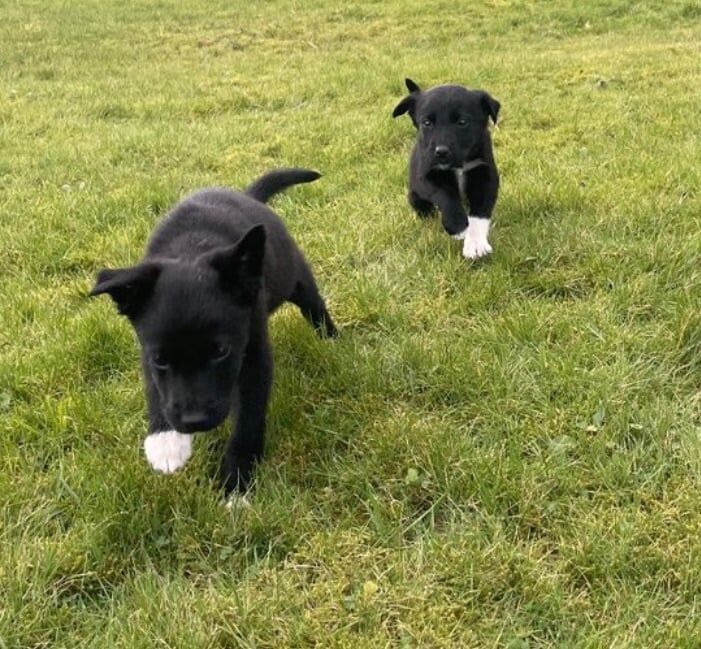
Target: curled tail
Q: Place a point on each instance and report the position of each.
(275, 181)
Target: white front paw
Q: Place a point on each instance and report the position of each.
(168, 451)
(476, 244)
(476, 249)
(237, 501)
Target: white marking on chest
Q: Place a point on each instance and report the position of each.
(471, 164)
(460, 177)
(476, 244)
(460, 173)
(168, 451)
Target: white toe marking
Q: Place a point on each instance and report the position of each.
(476, 244)
(460, 235)
(168, 451)
(237, 501)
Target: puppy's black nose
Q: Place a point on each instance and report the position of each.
(442, 152)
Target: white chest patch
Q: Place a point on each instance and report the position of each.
(168, 451)
(476, 244)
(460, 173)
(460, 177)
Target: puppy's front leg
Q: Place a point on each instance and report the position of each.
(481, 190)
(441, 189)
(422, 207)
(245, 446)
(453, 215)
(166, 449)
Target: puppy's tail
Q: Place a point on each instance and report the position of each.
(275, 181)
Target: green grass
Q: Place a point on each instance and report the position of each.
(503, 454)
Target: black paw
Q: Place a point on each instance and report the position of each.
(329, 329)
(237, 474)
(455, 226)
(424, 209)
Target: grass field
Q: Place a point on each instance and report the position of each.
(501, 454)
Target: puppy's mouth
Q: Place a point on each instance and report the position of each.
(467, 165)
(197, 424)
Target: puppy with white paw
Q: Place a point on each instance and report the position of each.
(216, 267)
(452, 163)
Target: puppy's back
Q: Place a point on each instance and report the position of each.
(217, 218)
(211, 218)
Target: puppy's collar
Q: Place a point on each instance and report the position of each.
(472, 164)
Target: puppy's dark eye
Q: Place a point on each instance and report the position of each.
(160, 362)
(427, 123)
(220, 352)
(462, 122)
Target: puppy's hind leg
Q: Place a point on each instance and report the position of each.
(306, 296)
(423, 208)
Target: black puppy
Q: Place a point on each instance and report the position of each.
(214, 270)
(452, 160)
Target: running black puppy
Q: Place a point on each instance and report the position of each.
(452, 160)
(214, 270)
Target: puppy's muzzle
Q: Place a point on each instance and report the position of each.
(196, 420)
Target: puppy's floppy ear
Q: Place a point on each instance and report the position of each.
(491, 106)
(129, 288)
(408, 104)
(240, 266)
(405, 105)
(412, 86)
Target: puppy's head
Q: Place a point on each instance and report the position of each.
(193, 323)
(451, 121)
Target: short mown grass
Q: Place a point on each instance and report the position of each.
(501, 454)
